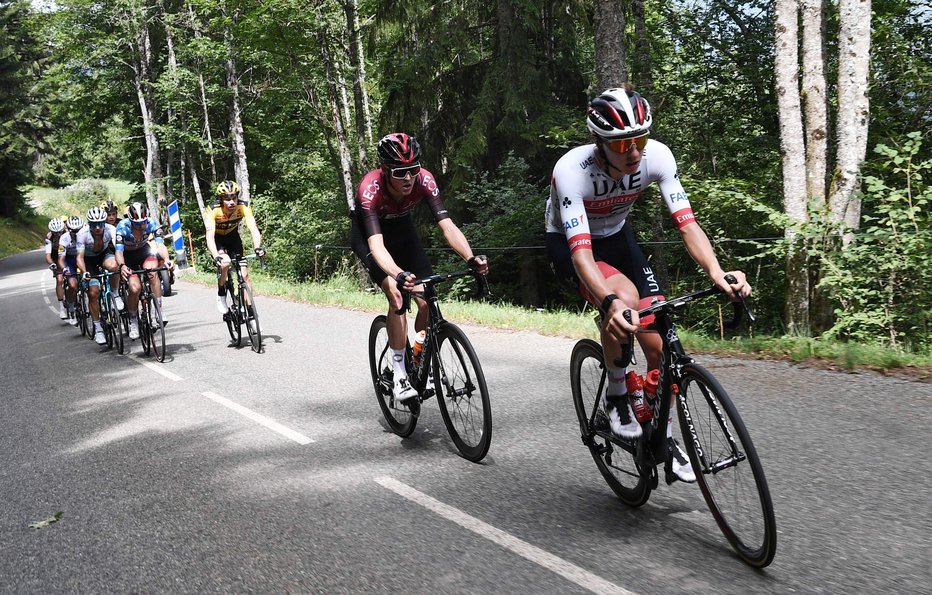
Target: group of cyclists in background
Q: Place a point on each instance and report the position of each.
(590, 243)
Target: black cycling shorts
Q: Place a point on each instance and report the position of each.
(401, 241)
(135, 258)
(231, 244)
(620, 251)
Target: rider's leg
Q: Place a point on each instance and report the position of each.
(397, 326)
(110, 264)
(93, 300)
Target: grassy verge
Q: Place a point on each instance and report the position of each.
(76, 199)
(345, 293)
(18, 236)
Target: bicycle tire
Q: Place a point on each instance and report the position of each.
(401, 420)
(156, 329)
(165, 280)
(741, 505)
(115, 323)
(81, 314)
(143, 322)
(618, 466)
(106, 319)
(232, 317)
(462, 393)
(252, 320)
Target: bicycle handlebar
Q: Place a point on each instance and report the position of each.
(739, 306)
(482, 286)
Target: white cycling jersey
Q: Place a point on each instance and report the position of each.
(67, 245)
(585, 202)
(85, 240)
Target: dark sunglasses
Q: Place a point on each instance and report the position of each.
(96, 225)
(400, 173)
(140, 223)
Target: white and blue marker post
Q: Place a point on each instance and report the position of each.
(174, 222)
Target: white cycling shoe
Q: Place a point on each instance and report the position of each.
(133, 330)
(119, 302)
(403, 391)
(222, 306)
(620, 417)
(99, 337)
(62, 311)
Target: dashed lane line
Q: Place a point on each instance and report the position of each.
(567, 570)
(259, 419)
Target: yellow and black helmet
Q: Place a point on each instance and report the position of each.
(226, 188)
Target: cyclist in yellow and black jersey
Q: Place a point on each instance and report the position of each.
(223, 241)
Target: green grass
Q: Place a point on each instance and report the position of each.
(56, 202)
(17, 236)
(344, 292)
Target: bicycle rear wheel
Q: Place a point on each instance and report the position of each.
(106, 319)
(156, 329)
(252, 319)
(114, 323)
(727, 467)
(616, 464)
(401, 419)
(462, 393)
(232, 317)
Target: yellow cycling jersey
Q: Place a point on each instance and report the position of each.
(224, 225)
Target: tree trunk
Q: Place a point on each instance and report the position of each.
(610, 67)
(786, 65)
(145, 94)
(853, 111)
(200, 81)
(172, 71)
(202, 208)
(237, 136)
(643, 68)
(334, 100)
(360, 98)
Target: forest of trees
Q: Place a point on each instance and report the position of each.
(801, 128)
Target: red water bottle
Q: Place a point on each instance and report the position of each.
(642, 410)
(650, 384)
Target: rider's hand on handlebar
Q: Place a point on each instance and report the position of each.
(615, 323)
(479, 263)
(740, 289)
(405, 281)
(218, 260)
(86, 276)
(260, 252)
(125, 272)
(53, 267)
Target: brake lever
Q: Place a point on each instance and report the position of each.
(741, 308)
(628, 357)
(482, 286)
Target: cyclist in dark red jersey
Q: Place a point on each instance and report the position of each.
(384, 238)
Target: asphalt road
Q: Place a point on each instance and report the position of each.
(228, 471)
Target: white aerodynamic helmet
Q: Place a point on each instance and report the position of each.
(619, 113)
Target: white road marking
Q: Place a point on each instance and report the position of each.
(159, 369)
(567, 570)
(260, 419)
(47, 300)
(53, 309)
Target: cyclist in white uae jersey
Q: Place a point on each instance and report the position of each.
(591, 245)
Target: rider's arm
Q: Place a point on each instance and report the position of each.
(382, 257)
(80, 258)
(700, 249)
(455, 238)
(250, 221)
(210, 235)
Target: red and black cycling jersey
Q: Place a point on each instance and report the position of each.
(373, 202)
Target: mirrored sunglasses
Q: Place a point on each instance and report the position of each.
(400, 173)
(624, 145)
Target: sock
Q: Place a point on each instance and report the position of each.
(616, 381)
(222, 291)
(398, 364)
(98, 326)
(134, 316)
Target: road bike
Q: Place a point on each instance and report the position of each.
(243, 310)
(110, 315)
(447, 366)
(151, 324)
(728, 470)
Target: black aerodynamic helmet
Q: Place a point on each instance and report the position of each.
(399, 150)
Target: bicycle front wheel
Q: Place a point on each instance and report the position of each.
(145, 337)
(727, 467)
(400, 419)
(106, 319)
(462, 393)
(616, 464)
(156, 329)
(83, 315)
(115, 324)
(252, 319)
(232, 317)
